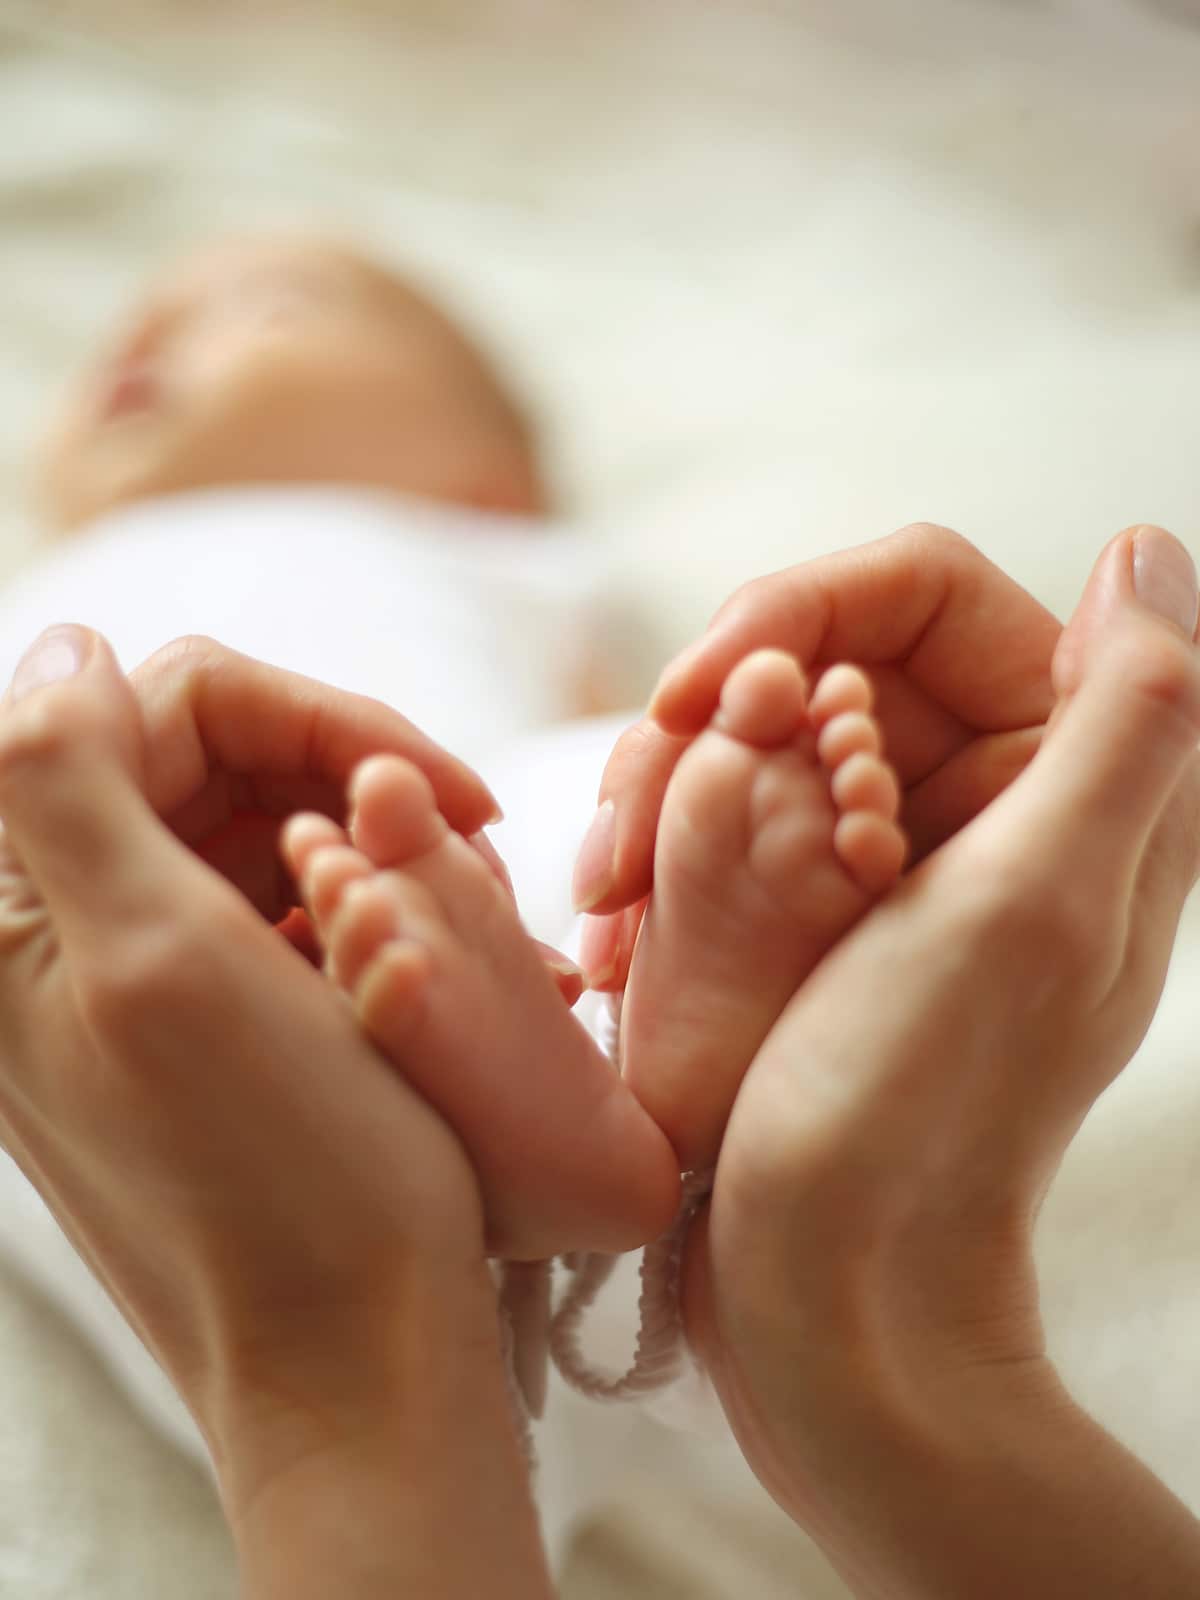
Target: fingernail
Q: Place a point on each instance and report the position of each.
(671, 674)
(1164, 578)
(594, 868)
(496, 864)
(565, 968)
(58, 654)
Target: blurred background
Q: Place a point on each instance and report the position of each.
(778, 276)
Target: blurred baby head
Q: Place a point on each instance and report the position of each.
(288, 362)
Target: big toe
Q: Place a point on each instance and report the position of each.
(764, 701)
(395, 815)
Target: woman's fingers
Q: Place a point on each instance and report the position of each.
(616, 859)
(274, 741)
(606, 947)
(975, 641)
(564, 974)
(953, 795)
(71, 756)
(958, 648)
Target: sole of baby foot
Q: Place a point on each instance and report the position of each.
(778, 831)
(426, 941)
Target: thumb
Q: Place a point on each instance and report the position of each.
(1128, 718)
(71, 800)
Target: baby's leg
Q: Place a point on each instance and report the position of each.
(420, 934)
(777, 832)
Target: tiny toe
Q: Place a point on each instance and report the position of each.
(395, 811)
(871, 848)
(865, 783)
(842, 688)
(764, 699)
(326, 877)
(368, 917)
(304, 834)
(850, 733)
(387, 990)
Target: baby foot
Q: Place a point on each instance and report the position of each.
(777, 832)
(421, 935)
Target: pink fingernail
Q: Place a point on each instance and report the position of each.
(565, 968)
(594, 867)
(1164, 578)
(59, 653)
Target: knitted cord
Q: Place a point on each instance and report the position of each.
(658, 1352)
(516, 1397)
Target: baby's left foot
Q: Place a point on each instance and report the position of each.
(450, 986)
(777, 832)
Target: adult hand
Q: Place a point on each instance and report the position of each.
(959, 656)
(292, 1232)
(863, 1292)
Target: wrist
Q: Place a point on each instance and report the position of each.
(888, 1310)
(421, 1506)
(930, 1479)
(1017, 1492)
(379, 1456)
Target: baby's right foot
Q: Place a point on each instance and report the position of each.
(777, 832)
(421, 935)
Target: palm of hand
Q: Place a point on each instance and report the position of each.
(959, 657)
(894, 1139)
(166, 1052)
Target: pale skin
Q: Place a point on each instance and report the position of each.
(862, 1290)
(878, 1348)
(153, 895)
(312, 1250)
(920, 1341)
(428, 944)
(779, 824)
(289, 360)
(297, 360)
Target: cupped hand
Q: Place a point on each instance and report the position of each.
(959, 656)
(271, 1208)
(863, 1287)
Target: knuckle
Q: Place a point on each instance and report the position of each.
(630, 753)
(934, 539)
(746, 602)
(1167, 681)
(43, 731)
(1051, 928)
(191, 647)
(186, 657)
(156, 973)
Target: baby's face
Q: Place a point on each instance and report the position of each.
(285, 363)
